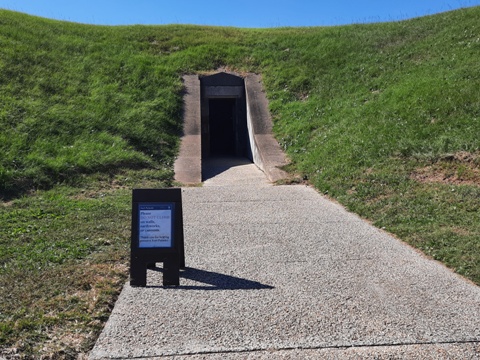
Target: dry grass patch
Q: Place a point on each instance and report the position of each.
(461, 168)
(68, 314)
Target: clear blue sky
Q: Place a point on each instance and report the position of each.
(240, 13)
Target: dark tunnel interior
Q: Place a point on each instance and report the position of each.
(222, 126)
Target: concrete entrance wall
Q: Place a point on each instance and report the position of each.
(188, 165)
(255, 141)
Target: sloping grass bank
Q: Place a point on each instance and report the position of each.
(382, 117)
(386, 119)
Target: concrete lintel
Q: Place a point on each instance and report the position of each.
(222, 91)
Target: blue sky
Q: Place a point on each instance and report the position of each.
(239, 13)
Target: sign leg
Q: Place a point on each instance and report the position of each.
(138, 274)
(171, 272)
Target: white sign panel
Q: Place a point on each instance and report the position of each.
(156, 225)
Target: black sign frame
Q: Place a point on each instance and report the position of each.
(158, 204)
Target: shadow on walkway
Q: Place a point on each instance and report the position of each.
(215, 281)
(214, 166)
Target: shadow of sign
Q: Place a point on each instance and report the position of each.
(215, 281)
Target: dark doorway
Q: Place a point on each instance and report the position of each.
(223, 110)
(222, 126)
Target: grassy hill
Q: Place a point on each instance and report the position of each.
(384, 118)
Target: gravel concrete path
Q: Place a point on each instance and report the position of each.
(279, 272)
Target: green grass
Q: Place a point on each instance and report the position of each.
(385, 118)
(64, 258)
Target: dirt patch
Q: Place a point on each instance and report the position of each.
(460, 231)
(462, 168)
(96, 283)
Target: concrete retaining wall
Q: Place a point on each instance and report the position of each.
(266, 151)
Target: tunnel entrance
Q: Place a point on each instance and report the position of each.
(224, 116)
(222, 126)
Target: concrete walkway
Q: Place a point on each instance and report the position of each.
(279, 272)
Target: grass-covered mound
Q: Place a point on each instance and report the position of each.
(79, 100)
(382, 117)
